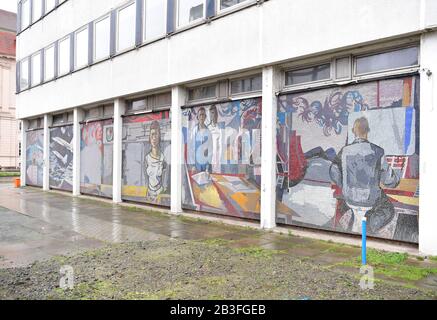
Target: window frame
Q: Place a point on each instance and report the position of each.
(331, 62)
(76, 66)
(95, 22)
(353, 54)
(144, 26)
(60, 74)
(53, 45)
(38, 81)
(334, 65)
(42, 13)
(29, 15)
(27, 73)
(202, 100)
(384, 71)
(245, 94)
(192, 23)
(117, 30)
(31, 20)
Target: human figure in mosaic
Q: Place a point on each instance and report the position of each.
(360, 169)
(155, 164)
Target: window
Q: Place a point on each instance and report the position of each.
(64, 56)
(50, 5)
(36, 10)
(155, 19)
(246, 85)
(396, 59)
(149, 103)
(190, 11)
(58, 119)
(102, 30)
(343, 68)
(201, 93)
(49, 63)
(126, 27)
(224, 4)
(137, 105)
(36, 69)
(81, 48)
(24, 74)
(25, 14)
(311, 74)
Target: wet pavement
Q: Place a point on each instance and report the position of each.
(36, 226)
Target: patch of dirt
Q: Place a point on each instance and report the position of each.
(178, 269)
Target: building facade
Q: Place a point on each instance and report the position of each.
(303, 113)
(9, 126)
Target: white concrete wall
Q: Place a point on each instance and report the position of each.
(428, 153)
(275, 31)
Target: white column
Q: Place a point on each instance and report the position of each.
(24, 127)
(78, 116)
(428, 151)
(119, 110)
(271, 82)
(178, 100)
(46, 147)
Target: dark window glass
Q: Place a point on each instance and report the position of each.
(316, 73)
(388, 60)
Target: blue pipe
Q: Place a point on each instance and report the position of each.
(364, 242)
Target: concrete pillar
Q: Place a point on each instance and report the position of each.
(119, 110)
(78, 116)
(178, 100)
(271, 85)
(428, 151)
(46, 147)
(23, 159)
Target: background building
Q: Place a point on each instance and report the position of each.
(237, 108)
(9, 131)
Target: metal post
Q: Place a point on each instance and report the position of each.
(364, 242)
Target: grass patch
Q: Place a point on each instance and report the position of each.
(433, 258)
(389, 258)
(9, 174)
(160, 295)
(86, 291)
(258, 252)
(392, 265)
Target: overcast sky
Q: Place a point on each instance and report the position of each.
(9, 5)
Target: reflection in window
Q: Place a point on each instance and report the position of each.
(246, 85)
(81, 53)
(24, 74)
(224, 4)
(64, 56)
(49, 63)
(156, 18)
(189, 11)
(25, 14)
(36, 69)
(316, 73)
(200, 93)
(388, 60)
(126, 27)
(102, 32)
